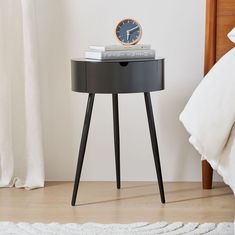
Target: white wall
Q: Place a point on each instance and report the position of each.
(66, 28)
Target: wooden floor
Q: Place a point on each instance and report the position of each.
(102, 202)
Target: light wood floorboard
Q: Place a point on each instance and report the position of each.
(102, 202)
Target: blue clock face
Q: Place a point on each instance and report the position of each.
(128, 32)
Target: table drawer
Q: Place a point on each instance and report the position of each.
(118, 77)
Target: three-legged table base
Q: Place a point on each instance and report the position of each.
(85, 131)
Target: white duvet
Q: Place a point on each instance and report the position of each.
(209, 117)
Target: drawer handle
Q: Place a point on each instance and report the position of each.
(123, 64)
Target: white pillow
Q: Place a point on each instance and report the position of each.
(231, 35)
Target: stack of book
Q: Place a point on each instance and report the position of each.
(115, 52)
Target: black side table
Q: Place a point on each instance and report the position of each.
(114, 77)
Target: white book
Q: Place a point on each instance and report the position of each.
(120, 47)
(112, 55)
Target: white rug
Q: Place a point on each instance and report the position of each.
(117, 229)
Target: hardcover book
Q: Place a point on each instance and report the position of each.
(124, 54)
(120, 47)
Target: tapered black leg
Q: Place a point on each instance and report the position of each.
(153, 135)
(82, 149)
(116, 138)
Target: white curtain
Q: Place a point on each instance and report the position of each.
(21, 149)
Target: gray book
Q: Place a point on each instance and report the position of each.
(120, 47)
(127, 54)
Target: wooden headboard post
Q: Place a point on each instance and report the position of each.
(210, 60)
(210, 40)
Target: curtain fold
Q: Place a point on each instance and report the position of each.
(21, 148)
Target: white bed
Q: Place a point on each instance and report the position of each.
(220, 20)
(209, 117)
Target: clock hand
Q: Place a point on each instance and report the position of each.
(127, 35)
(133, 29)
(128, 32)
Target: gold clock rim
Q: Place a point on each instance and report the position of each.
(129, 43)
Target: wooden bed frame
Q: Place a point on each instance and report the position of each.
(220, 20)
